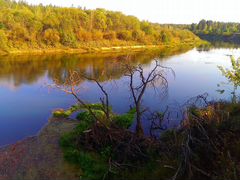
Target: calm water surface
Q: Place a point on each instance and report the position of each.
(26, 103)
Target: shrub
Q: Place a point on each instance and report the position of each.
(125, 120)
(3, 40)
(124, 35)
(68, 38)
(51, 36)
(111, 35)
(97, 35)
(84, 35)
(138, 35)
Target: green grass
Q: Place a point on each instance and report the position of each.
(125, 120)
(214, 147)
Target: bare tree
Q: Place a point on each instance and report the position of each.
(138, 83)
(136, 73)
(71, 86)
(104, 100)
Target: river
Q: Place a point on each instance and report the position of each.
(26, 102)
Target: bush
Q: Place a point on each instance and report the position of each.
(97, 35)
(51, 36)
(138, 35)
(84, 35)
(3, 40)
(125, 120)
(124, 35)
(111, 35)
(165, 37)
(68, 38)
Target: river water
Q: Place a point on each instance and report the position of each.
(26, 102)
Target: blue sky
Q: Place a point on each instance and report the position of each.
(162, 11)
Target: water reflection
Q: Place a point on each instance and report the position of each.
(26, 104)
(29, 69)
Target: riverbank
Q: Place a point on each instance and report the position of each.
(205, 146)
(103, 49)
(39, 157)
(79, 50)
(218, 38)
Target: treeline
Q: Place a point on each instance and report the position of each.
(213, 27)
(24, 26)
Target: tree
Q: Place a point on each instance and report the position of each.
(233, 75)
(111, 35)
(31, 26)
(147, 28)
(138, 35)
(51, 36)
(124, 35)
(100, 20)
(3, 40)
(136, 73)
(84, 35)
(165, 37)
(70, 86)
(97, 35)
(202, 25)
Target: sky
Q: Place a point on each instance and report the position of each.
(162, 11)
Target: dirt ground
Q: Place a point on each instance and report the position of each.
(39, 157)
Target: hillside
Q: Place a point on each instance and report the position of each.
(24, 27)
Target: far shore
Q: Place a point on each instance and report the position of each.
(93, 49)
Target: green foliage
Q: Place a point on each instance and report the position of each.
(66, 113)
(93, 107)
(233, 75)
(3, 40)
(2, 26)
(213, 27)
(207, 140)
(96, 109)
(125, 120)
(106, 152)
(51, 36)
(62, 113)
(164, 37)
(44, 26)
(92, 164)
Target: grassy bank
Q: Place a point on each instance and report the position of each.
(205, 146)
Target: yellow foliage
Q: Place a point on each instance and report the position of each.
(51, 36)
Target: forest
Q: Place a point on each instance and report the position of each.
(216, 32)
(214, 27)
(24, 27)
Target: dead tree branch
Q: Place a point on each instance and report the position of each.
(138, 89)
